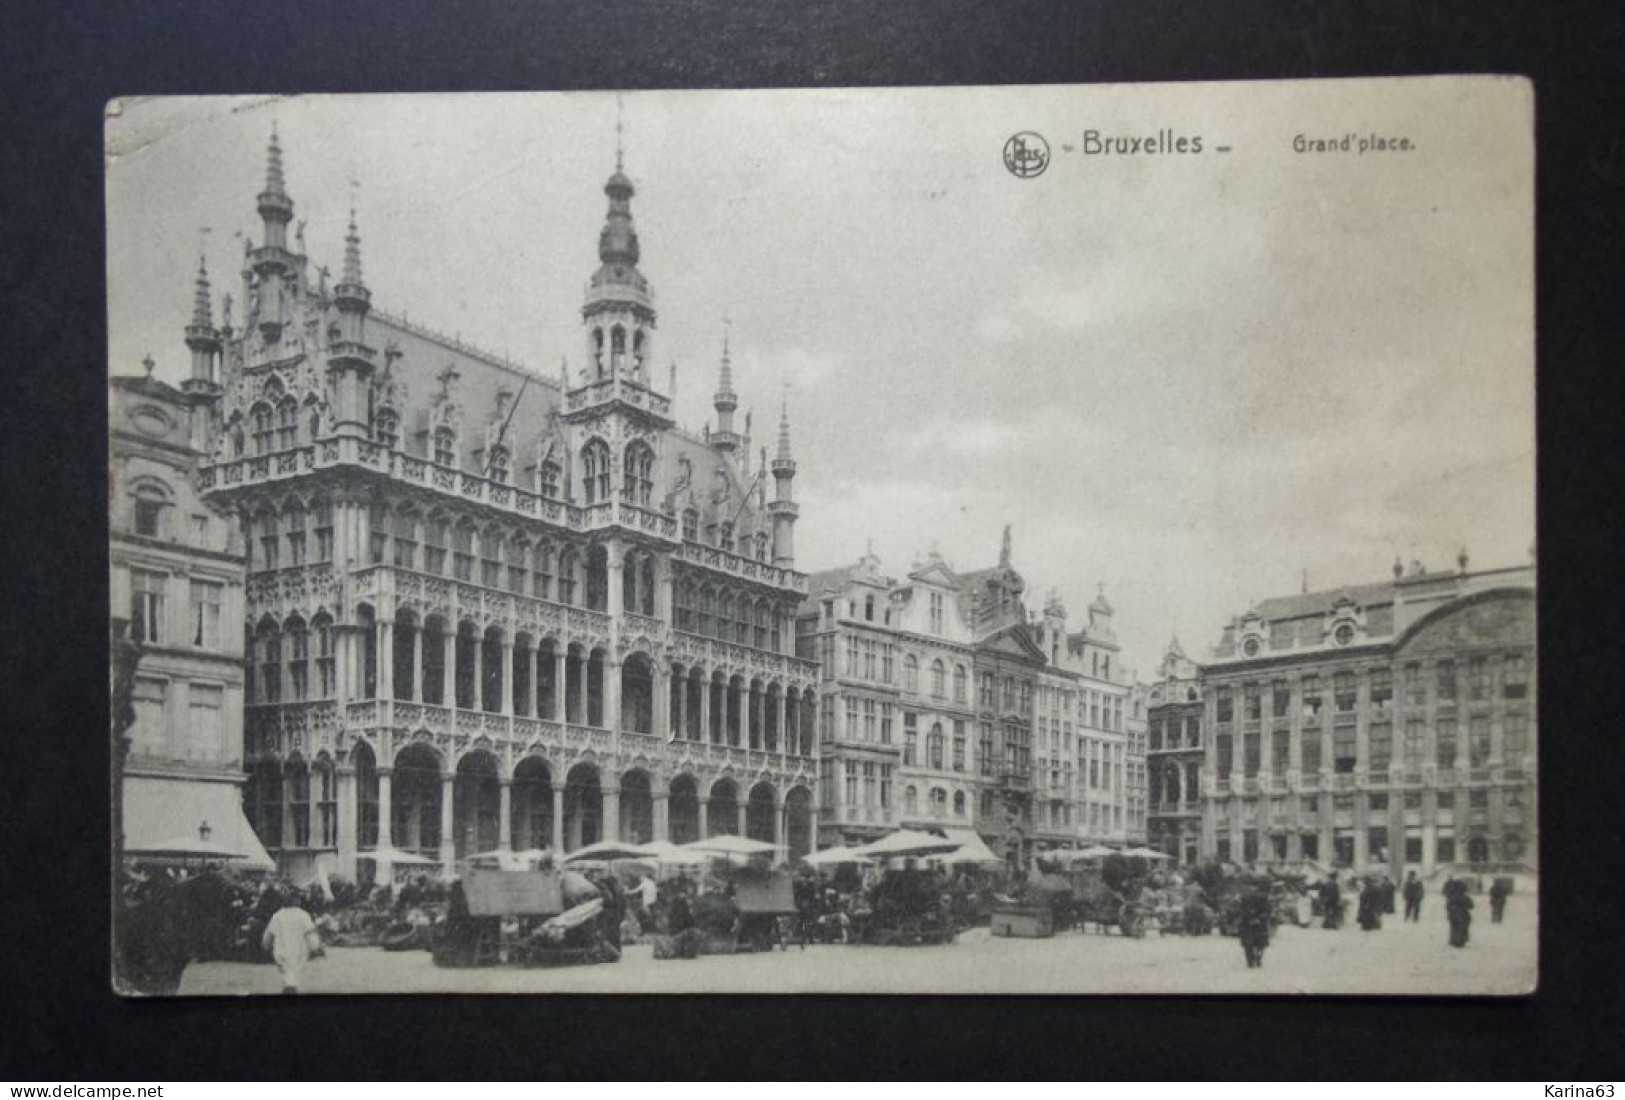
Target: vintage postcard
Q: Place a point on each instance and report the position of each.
(1062, 539)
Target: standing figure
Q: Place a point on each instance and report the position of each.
(1370, 915)
(1499, 890)
(1458, 907)
(1414, 890)
(1388, 892)
(291, 938)
(1255, 925)
(1331, 903)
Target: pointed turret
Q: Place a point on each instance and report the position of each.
(784, 509)
(201, 336)
(351, 362)
(725, 401)
(351, 295)
(619, 312)
(276, 208)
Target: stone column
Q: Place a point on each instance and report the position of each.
(612, 694)
(561, 684)
(758, 719)
(505, 815)
(557, 840)
(705, 707)
(780, 831)
(783, 720)
(704, 803)
(662, 815)
(507, 675)
(448, 667)
(384, 657)
(740, 807)
(347, 794)
(611, 812)
(386, 808)
(448, 841)
(614, 561)
(681, 728)
(420, 639)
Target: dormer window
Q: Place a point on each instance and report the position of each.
(1344, 634)
(149, 513)
(496, 467)
(386, 429)
(445, 447)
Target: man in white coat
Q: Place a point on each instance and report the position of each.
(292, 939)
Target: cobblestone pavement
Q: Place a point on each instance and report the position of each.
(1400, 958)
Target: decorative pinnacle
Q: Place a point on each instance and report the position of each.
(352, 253)
(202, 313)
(273, 166)
(725, 386)
(783, 454)
(619, 134)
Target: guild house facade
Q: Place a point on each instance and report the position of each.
(1379, 727)
(177, 592)
(945, 706)
(1174, 757)
(490, 609)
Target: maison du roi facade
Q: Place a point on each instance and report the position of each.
(944, 704)
(485, 608)
(1380, 727)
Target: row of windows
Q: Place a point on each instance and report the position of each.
(280, 804)
(1480, 849)
(149, 611)
(283, 660)
(199, 736)
(1183, 732)
(728, 615)
(1380, 746)
(1476, 681)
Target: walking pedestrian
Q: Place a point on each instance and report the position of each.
(1370, 914)
(1255, 925)
(1499, 890)
(1331, 903)
(291, 938)
(1458, 907)
(1414, 890)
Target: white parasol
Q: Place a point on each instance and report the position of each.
(728, 845)
(606, 850)
(908, 842)
(834, 857)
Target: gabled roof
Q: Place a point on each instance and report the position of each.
(1016, 639)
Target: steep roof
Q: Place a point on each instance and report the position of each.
(1319, 603)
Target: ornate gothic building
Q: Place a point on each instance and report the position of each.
(487, 608)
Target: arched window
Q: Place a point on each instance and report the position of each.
(299, 804)
(959, 683)
(685, 606)
(911, 801)
(293, 528)
(617, 347)
(236, 439)
(550, 479)
(595, 472)
(567, 576)
(496, 465)
(386, 428)
(639, 477)
(264, 433)
(939, 680)
(435, 534)
(269, 645)
(151, 501)
(326, 672)
(761, 546)
(269, 542)
(404, 535)
(761, 624)
(707, 608)
(313, 419)
(959, 803)
(324, 787)
(725, 615)
(287, 424)
(691, 524)
(445, 447)
(911, 673)
(939, 802)
(462, 551)
(542, 569)
(491, 558)
(933, 746)
(298, 659)
(869, 609)
(725, 537)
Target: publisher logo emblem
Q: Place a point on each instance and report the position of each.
(1026, 155)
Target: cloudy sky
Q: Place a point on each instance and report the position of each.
(1190, 378)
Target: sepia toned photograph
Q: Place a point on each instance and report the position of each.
(1015, 540)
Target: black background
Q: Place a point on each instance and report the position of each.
(60, 64)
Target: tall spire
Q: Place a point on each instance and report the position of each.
(352, 253)
(783, 454)
(202, 311)
(274, 183)
(725, 384)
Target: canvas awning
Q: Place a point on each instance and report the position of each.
(972, 848)
(158, 809)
